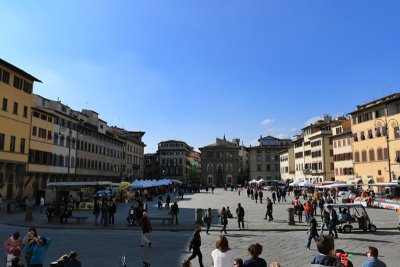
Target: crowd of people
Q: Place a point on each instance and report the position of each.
(224, 256)
(30, 250)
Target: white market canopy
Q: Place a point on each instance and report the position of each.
(260, 181)
(151, 183)
(306, 184)
(295, 183)
(254, 181)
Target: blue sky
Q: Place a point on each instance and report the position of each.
(196, 70)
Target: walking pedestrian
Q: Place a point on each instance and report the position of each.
(224, 220)
(312, 232)
(96, 211)
(174, 212)
(194, 245)
(325, 221)
(300, 209)
(256, 195)
(273, 196)
(112, 209)
(240, 215)
(269, 210)
(333, 221)
(131, 215)
(104, 213)
(146, 229)
(260, 195)
(41, 204)
(208, 219)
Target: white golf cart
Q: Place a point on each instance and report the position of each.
(352, 217)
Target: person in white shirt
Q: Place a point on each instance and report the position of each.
(41, 204)
(222, 256)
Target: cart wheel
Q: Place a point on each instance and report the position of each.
(347, 229)
(372, 228)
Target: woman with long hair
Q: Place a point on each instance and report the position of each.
(222, 255)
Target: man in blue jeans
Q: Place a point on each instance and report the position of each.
(373, 260)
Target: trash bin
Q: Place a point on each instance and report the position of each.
(198, 216)
(291, 216)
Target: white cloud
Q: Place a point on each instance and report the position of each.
(313, 120)
(254, 142)
(282, 136)
(267, 121)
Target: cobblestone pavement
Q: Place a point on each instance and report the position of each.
(103, 247)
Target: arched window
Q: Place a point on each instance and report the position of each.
(371, 154)
(219, 167)
(356, 156)
(364, 155)
(210, 167)
(72, 162)
(379, 153)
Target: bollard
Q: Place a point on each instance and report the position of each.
(198, 216)
(291, 216)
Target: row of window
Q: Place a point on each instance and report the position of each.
(316, 143)
(98, 149)
(15, 108)
(97, 165)
(178, 153)
(342, 143)
(342, 157)
(380, 154)
(369, 116)
(219, 154)
(344, 171)
(172, 162)
(18, 82)
(12, 144)
(50, 159)
(316, 166)
(379, 131)
(178, 171)
(268, 158)
(219, 167)
(267, 167)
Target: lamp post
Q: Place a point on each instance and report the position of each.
(385, 125)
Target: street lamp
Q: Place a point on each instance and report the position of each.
(385, 125)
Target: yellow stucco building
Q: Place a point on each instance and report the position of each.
(376, 140)
(15, 112)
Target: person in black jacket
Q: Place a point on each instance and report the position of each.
(194, 245)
